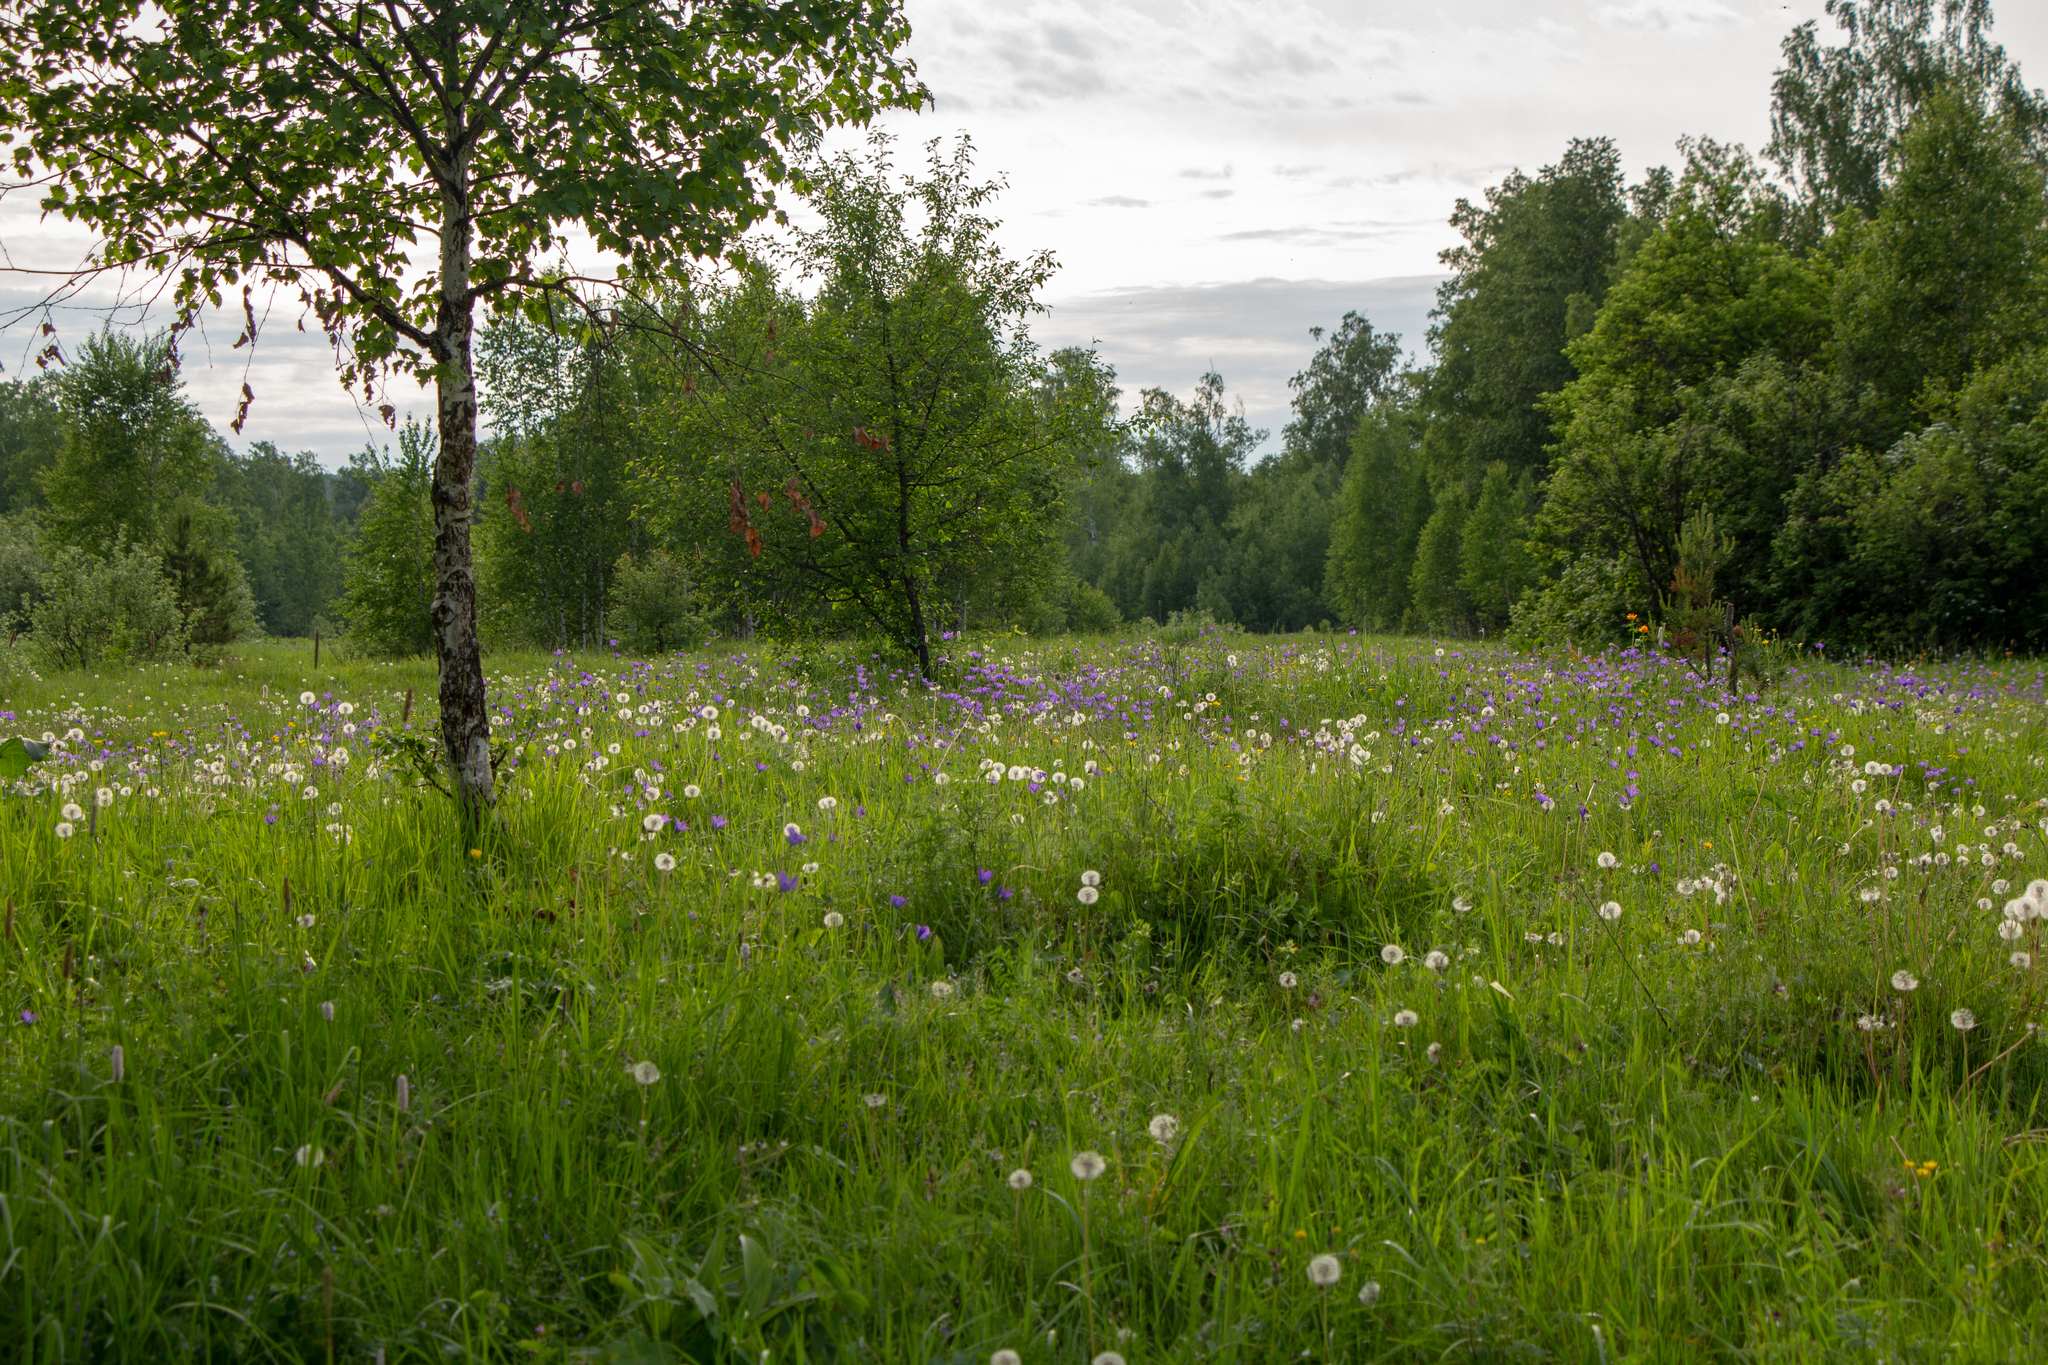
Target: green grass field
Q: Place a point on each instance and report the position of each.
(1560, 1008)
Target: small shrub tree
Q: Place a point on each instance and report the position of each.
(654, 606)
(95, 610)
(390, 569)
(215, 604)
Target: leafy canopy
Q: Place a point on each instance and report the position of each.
(325, 145)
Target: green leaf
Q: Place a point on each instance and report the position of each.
(16, 754)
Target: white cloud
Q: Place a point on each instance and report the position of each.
(1667, 15)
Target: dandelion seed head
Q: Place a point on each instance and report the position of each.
(1393, 955)
(1288, 981)
(1963, 1020)
(1435, 960)
(1020, 1179)
(874, 1101)
(1087, 1165)
(1325, 1271)
(1369, 1293)
(1611, 911)
(1904, 981)
(1406, 1018)
(1608, 860)
(833, 919)
(646, 1073)
(665, 862)
(1163, 1128)
(1088, 895)
(1091, 878)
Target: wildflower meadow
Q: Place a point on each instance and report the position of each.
(1171, 998)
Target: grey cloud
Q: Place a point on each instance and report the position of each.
(1120, 201)
(1253, 332)
(1217, 194)
(1257, 55)
(1324, 234)
(1203, 173)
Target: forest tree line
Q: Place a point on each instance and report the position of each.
(1833, 356)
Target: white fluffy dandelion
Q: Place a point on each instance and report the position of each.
(1163, 1128)
(1435, 960)
(1091, 878)
(665, 862)
(1904, 981)
(1608, 860)
(827, 804)
(1369, 1293)
(1087, 1165)
(1611, 911)
(1406, 1018)
(1963, 1020)
(1325, 1271)
(1393, 955)
(1288, 981)
(692, 791)
(1020, 1179)
(941, 989)
(646, 1073)
(833, 919)
(1088, 895)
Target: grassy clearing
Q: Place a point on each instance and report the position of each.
(1345, 935)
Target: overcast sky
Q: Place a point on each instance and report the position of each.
(1216, 178)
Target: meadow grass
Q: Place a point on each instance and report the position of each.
(1552, 996)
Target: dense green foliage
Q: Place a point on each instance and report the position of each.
(1792, 350)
